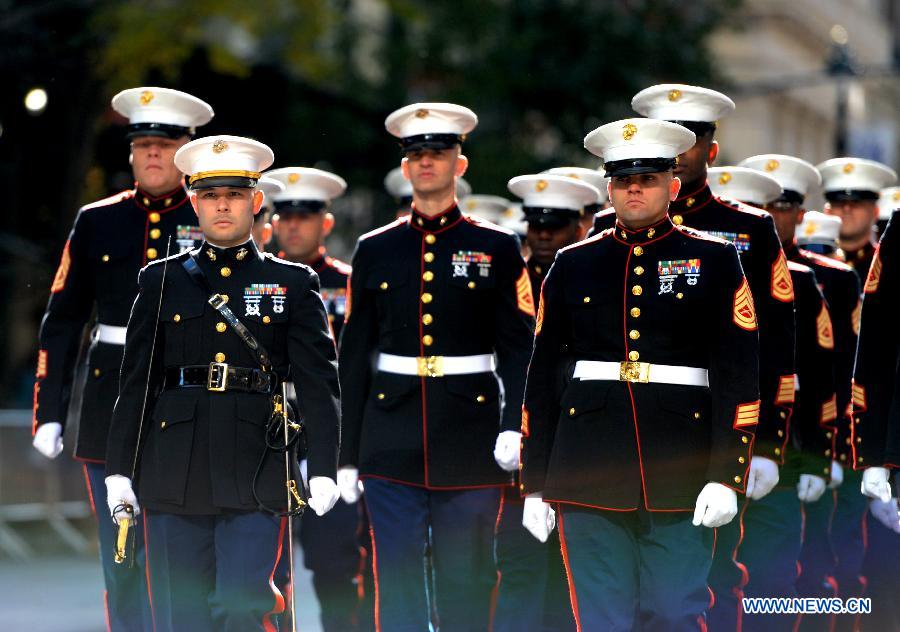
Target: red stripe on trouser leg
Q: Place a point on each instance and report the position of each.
(87, 482)
(147, 570)
(496, 590)
(278, 608)
(106, 609)
(375, 577)
(573, 598)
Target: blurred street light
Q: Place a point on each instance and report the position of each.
(36, 101)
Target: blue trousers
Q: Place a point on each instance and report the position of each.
(817, 560)
(462, 536)
(882, 571)
(214, 572)
(727, 576)
(773, 535)
(636, 570)
(126, 602)
(533, 593)
(847, 540)
(332, 550)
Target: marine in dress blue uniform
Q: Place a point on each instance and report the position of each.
(202, 452)
(876, 431)
(753, 233)
(109, 243)
(433, 299)
(773, 526)
(654, 421)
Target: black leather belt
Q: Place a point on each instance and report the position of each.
(219, 377)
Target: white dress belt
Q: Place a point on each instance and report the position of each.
(641, 372)
(110, 334)
(436, 366)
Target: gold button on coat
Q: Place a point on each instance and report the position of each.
(105, 258)
(225, 272)
(428, 276)
(737, 479)
(221, 327)
(155, 233)
(634, 356)
(266, 320)
(637, 290)
(380, 395)
(480, 399)
(430, 239)
(586, 299)
(634, 334)
(426, 298)
(429, 257)
(427, 319)
(678, 220)
(151, 253)
(635, 312)
(154, 218)
(383, 285)
(571, 412)
(638, 251)
(471, 285)
(96, 372)
(177, 318)
(427, 340)
(220, 357)
(639, 270)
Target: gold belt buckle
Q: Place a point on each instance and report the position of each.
(218, 377)
(430, 366)
(634, 372)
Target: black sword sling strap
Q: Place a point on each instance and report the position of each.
(276, 441)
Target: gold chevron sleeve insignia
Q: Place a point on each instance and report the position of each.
(874, 275)
(782, 286)
(746, 414)
(859, 397)
(744, 315)
(59, 281)
(857, 316)
(42, 364)
(829, 410)
(786, 388)
(524, 299)
(540, 314)
(824, 331)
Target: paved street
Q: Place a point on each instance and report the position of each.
(64, 594)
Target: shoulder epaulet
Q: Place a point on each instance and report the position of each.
(793, 266)
(603, 234)
(112, 199)
(699, 234)
(743, 208)
(340, 266)
(828, 262)
(483, 223)
(285, 262)
(383, 229)
(176, 258)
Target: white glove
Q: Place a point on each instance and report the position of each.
(837, 475)
(538, 517)
(349, 485)
(48, 439)
(763, 477)
(810, 488)
(118, 494)
(506, 450)
(875, 483)
(886, 513)
(323, 493)
(716, 506)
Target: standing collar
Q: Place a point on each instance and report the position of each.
(160, 203)
(234, 255)
(691, 200)
(442, 221)
(646, 234)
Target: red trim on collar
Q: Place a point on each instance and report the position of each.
(663, 228)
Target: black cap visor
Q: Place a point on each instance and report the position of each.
(633, 166)
(429, 141)
(158, 129)
(850, 195)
